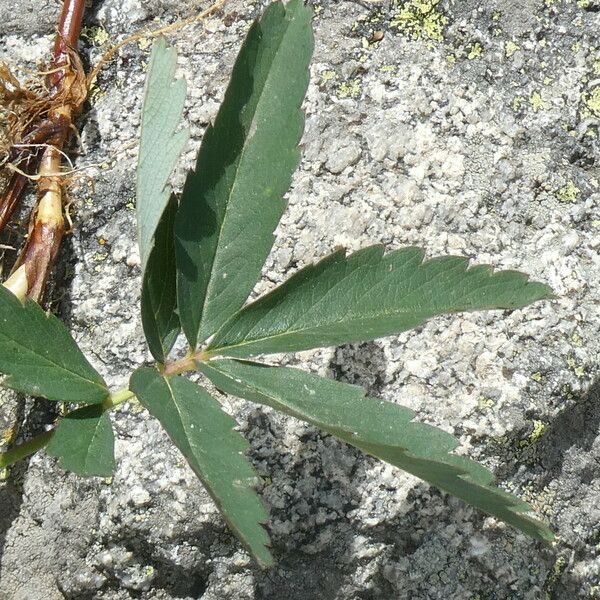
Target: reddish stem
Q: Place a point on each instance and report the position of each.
(69, 28)
(68, 87)
(67, 36)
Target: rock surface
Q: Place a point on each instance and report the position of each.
(470, 128)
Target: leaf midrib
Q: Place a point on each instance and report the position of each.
(235, 184)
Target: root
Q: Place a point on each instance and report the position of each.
(152, 33)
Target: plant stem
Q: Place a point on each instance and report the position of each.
(188, 363)
(40, 441)
(69, 28)
(30, 272)
(117, 398)
(25, 449)
(67, 84)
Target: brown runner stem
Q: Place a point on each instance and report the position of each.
(67, 83)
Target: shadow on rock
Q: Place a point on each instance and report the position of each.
(360, 364)
(573, 430)
(11, 498)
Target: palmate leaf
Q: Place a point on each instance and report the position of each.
(160, 148)
(367, 295)
(204, 434)
(232, 202)
(382, 429)
(39, 357)
(84, 442)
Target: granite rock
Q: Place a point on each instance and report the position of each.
(470, 128)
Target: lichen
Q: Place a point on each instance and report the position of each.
(327, 76)
(537, 102)
(516, 103)
(144, 43)
(568, 193)
(510, 48)
(96, 35)
(592, 101)
(485, 403)
(349, 89)
(475, 50)
(555, 574)
(578, 369)
(539, 428)
(420, 19)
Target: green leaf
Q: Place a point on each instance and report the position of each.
(39, 357)
(382, 429)
(367, 295)
(84, 442)
(160, 146)
(232, 202)
(159, 293)
(204, 434)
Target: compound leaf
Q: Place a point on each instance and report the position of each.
(232, 202)
(84, 442)
(367, 295)
(159, 294)
(38, 356)
(382, 429)
(204, 434)
(160, 145)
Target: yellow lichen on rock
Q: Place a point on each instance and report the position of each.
(420, 19)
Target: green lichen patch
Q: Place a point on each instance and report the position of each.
(568, 193)
(555, 575)
(420, 19)
(485, 403)
(578, 369)
(537, 102)
(576, 340)
(350, 89)
(95, 35)
(474, 50)
(592, 101)
(327, 75)
(538, 430)
(510, 48)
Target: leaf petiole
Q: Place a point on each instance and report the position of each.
(25, 449)
(117, 398)
(187, 363)
(40, 441)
